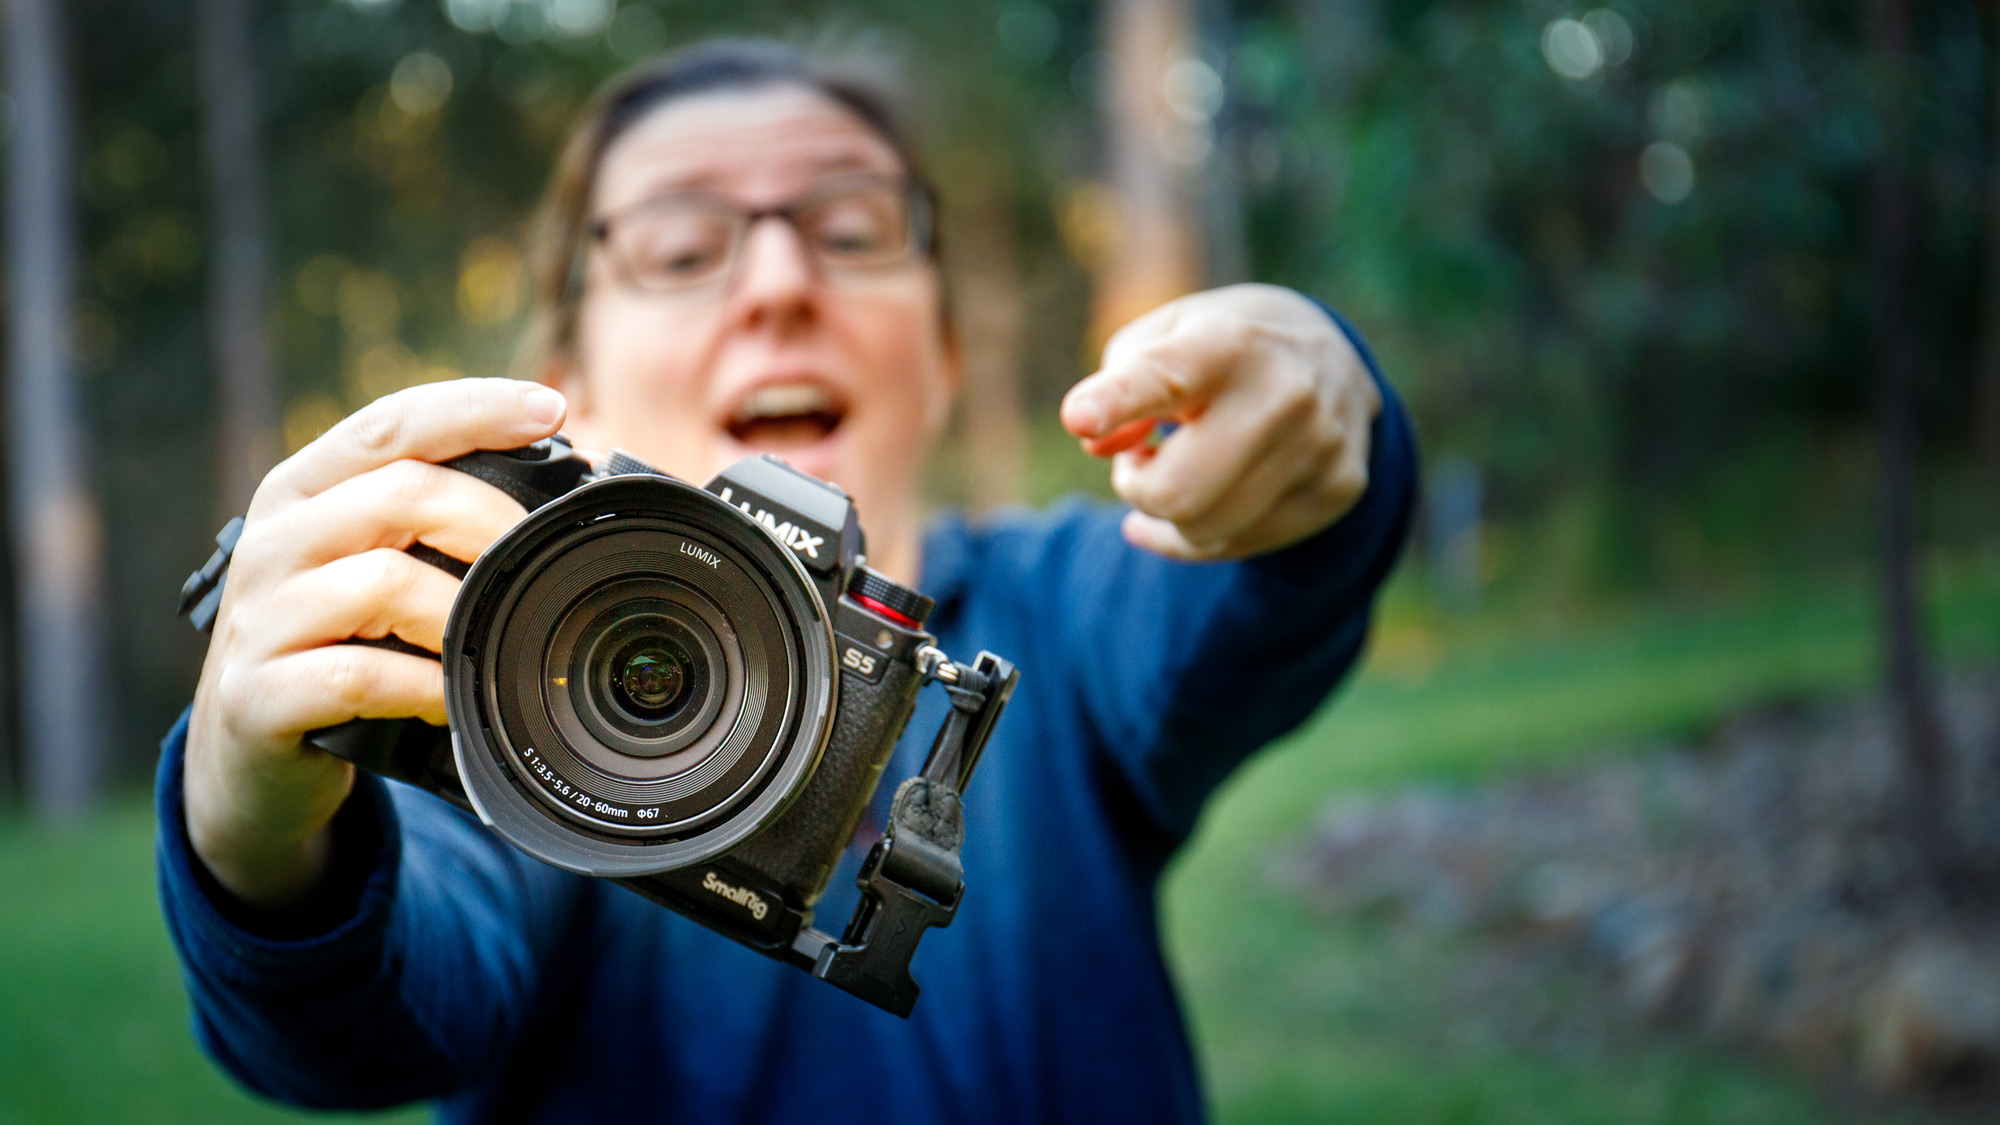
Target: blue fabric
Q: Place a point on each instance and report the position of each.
(454, 968)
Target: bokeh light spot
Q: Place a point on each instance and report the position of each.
(317, 284)
(1193, 90)
(1675, 111)
(1667, 171)
(491, 282)
(382, 370)
(306, 418)
(420, 83)
(1613, 34)
(476, 15)
(367, 303)
(580, 18)
(1572, 49)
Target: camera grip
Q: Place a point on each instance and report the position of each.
(800, 847)
(408, 749)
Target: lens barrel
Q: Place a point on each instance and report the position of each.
(638, 677)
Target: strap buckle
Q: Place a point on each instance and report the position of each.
(201, 594)
(913, 878)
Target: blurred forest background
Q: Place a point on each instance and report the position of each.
(1696, 304)
(1619, 267)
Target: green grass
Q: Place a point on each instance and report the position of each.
(93, 1025)
(1295, 1018)
(1299, 1018)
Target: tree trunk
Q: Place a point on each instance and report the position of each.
(1225, 248)
(989, 326)
(239, 269)
(1986, 380)
(1893, 220)
(1155, 253)
(53, 509)
(13, 766)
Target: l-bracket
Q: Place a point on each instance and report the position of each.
(912, 879)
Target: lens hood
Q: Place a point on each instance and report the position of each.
(554, 754)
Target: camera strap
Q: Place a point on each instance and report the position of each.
(913, 878)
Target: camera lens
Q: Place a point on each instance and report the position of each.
(643, 664)
(648, 666)
(651, 679)
(637, 666)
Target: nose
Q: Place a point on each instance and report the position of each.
(775, 275)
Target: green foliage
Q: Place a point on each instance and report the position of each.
(1571, 329)
(1659, 394)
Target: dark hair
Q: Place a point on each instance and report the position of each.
(559, 236)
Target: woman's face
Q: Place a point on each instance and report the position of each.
(847, 377)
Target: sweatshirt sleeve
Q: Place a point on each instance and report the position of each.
(1186, 669)
(412, 971)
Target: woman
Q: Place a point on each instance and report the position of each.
(741, 262)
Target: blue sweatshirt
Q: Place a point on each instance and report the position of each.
(442, 964)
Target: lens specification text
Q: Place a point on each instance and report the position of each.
(557, 786)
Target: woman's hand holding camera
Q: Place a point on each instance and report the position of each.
(1272, 406)
(322, 560)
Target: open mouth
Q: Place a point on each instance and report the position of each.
(784, 416)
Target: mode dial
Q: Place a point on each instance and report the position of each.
(892, 599)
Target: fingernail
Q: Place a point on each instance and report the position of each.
(1089, 415)
(544, 404)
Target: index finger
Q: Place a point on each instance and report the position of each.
(1162, 378)
(433, 422)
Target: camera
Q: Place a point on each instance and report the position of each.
(693, 692)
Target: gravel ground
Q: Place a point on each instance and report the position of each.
(1752, 888)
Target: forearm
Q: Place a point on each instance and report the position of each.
(403, 978)
(269, 863)
(1236, 654)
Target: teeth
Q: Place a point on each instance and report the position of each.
(784, 399)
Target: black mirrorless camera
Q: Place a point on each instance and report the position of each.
(693, 692)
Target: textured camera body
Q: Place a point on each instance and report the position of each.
(694, 692)
(757, 875)
(764, 891)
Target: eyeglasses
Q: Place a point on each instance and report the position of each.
(690, 241)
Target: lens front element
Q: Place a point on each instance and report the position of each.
(644, 667)
(651, 679)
